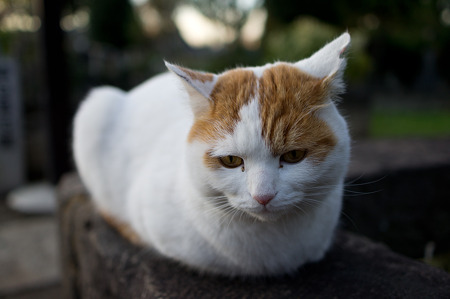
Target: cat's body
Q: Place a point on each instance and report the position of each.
(237, 174)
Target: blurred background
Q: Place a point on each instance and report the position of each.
(398, 73)
(53, 52)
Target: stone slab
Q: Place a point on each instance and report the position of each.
(99, 263)
(29, 254)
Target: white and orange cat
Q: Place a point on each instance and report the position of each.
(239, 173)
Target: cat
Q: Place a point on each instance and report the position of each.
(237, 174)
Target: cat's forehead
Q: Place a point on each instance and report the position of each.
(289, 99)
(286, 99)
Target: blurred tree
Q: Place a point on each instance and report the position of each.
(56, 73)
(232, 13)
(347, 13)
(113, 22)
(166, 8)
(399, 31)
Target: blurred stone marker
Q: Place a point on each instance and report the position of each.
(11, 141)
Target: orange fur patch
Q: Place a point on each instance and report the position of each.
(211, 161)
(289, 99)
(124, 229)
(232, 90)
(199, 76)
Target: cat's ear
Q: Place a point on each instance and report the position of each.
(199, 86)
(329, 63)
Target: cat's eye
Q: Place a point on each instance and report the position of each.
(231, 161)
(294, 156)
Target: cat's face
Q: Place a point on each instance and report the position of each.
(267, 141)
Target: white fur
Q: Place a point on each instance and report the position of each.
(329, 61)
(131, 152)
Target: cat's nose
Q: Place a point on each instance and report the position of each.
(264, 199)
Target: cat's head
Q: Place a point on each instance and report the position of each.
(268, 140)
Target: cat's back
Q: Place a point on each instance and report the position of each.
(157, 116)
(161, 93)
(114, 131)
(110, 119)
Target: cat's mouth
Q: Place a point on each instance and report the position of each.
(267, 213)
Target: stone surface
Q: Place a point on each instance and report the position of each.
(397, 193)
(381, 157)
(28, 254)
(99, 263)
(33, 199)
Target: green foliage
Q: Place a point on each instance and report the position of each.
(409, 123)
(397, 33)
(6, 39)
(299, 39)
(305, 35)
(440, 261)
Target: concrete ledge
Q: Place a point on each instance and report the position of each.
(384, 156)
(398, 194)
(99, 263)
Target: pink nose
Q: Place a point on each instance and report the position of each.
(264, 199)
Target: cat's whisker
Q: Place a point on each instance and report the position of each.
(322, 187)
(231, 217)
(348, 184)
(216, 203)
(218, 207)
(349, 219)
(310, 204)
(221, 210)
(300, 209)
(355, 179)
(315, 203)
(219, 197)
(352, 183)
(241, 214)
(224, 212)
(360, 193)
(315, 194)
(346, 190)
(227, 215)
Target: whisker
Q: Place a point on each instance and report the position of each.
(233, 214)
(360, 193)
(300, 209)
(314, 203)
(215, 197)
(347, 184)
(356, 179)
(365, 183)
(213, 208)
(350, 219)
(315, 194)
(229, 214)
(322, 186)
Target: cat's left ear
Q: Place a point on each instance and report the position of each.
(199, 85)
(329, 63)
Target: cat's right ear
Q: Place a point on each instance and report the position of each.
(329, 63)
(199, 86)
